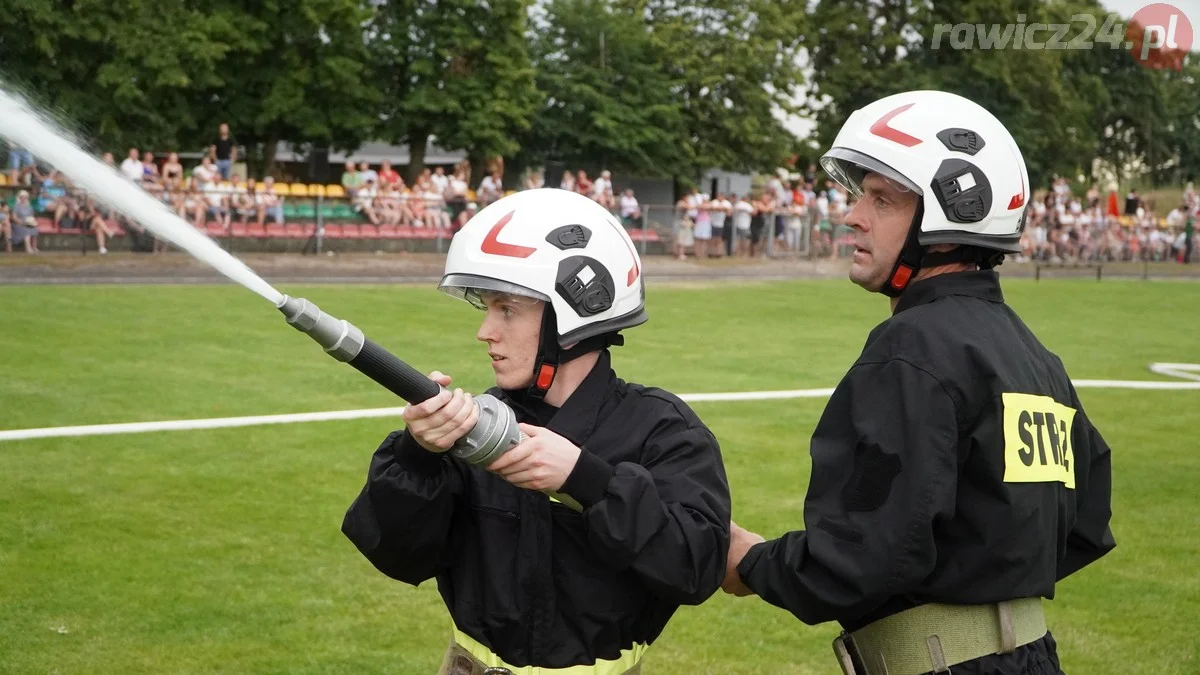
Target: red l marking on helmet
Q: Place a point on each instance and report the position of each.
(493, 246)
(1018, 200)
(882, 130)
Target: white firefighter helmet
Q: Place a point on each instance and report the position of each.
(557, 246)
(950, 151)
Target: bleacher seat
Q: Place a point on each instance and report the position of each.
(316, 190)
(256, 230)
(335, 191)
(238, 229)
(3, 179)
(333, 231)
(351, 232)
(298, 190)
(297, 230)
(388, 232)
(46, 226)
(215, 230)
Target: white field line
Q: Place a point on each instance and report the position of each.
(1186, 371)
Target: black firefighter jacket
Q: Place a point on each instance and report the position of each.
(953, 464)
(536, 582)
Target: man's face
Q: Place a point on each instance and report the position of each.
(511, 329)
(880, 219)
(224, 129)
(133, 153)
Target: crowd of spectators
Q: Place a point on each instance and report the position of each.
(788, 213)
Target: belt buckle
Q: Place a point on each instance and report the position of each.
(847, 655)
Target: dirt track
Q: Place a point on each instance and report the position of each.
(73, 268)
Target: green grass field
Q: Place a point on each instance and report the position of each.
(220, 552)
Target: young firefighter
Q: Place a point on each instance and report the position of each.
(531, 584)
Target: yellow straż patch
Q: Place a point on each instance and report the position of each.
(1037, 440)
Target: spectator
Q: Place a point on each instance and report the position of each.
(108, 160)
(743, 216)
(388, 175)
(53, 198)
(269, 203)
(24, 224)
(365, 201)
(172, 172)
(366, 173)
(1178, 216)
(390, 208)
(631, 211)
(457, 194)
(535, 180)
(702, 228)
(491, 188)
(720, 208)
(19, 162)
(440, 181)
(224, 151)
(684, 226)
(583, 185)
(215, 204)
(132, 166)
(602, 184)
(567, 182)
(465, 216)
(91, 218)
(244, 198)
(206, 173)
(436, 214)
(351, 180)
(6, 232)
(149, 169)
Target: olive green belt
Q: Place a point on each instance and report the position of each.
(932, 638)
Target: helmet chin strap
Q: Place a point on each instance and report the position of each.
(551, 356)
(913, 257)
(908, 263)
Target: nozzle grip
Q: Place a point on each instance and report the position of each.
(395, 375)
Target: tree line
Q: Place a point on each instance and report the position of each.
(643, 87)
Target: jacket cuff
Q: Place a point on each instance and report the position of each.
(410, 455)
(589, 479)
(745, 568)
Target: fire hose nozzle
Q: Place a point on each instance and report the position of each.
(340, 338)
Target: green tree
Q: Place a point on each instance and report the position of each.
(456, 70)
(738, 68)
(607, 100)
(107, 68)
(299, 71)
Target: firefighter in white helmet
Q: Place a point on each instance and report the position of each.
(532, 585)
(955, 476)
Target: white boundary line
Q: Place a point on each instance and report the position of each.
(1185, 371)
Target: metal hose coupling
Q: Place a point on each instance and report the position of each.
(340, 338)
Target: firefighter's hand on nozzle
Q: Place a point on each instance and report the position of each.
(440, 421)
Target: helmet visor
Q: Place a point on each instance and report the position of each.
(849, 167)
(471, 288)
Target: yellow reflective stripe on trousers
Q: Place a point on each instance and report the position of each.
(629, 658)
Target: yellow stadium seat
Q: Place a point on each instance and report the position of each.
(509, 192)
(470, 195)
(298, 190)
(3, 179)
(334, 191)
(316, 190)
(260, 187)
(225, 186)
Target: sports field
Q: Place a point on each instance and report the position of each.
(219, 551)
